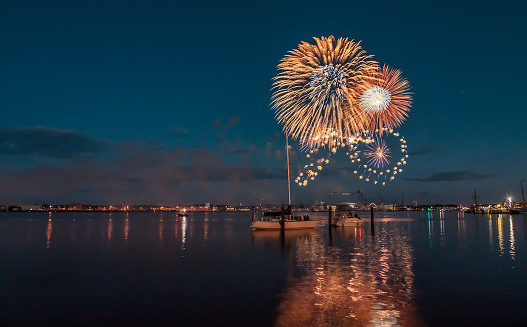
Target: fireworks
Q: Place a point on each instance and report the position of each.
(318, 89)
(387, 99)
(330, 95)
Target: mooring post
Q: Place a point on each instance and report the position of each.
(254, 216)
(372, 225)
(282, 220)
(329, 226)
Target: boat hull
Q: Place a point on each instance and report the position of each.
(288, 224)
(353, 223)
(345, 221)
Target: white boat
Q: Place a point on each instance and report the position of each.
(183, 213)
(345, 220)
(289, 224)
(285, 219)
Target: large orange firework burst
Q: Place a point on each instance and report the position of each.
(318, 88)
(387, 100)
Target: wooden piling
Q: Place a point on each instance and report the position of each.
(330, 211)
(372, 224)
(282, 219)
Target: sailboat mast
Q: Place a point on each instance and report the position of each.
(288, 177)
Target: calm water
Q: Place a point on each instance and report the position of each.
(209, 269)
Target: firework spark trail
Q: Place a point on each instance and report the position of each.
(387, 100)
(319, 86)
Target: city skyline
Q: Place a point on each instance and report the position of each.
(154, 103)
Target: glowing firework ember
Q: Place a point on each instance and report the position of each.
(387, 100)
(318, 89)
(311, 170)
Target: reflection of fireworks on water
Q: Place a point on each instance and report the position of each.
(376, 155)
(387, 100)
(318, 88)
(364, 284)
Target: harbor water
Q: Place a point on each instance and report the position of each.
(209, 269)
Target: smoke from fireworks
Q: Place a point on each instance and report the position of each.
(318, 89)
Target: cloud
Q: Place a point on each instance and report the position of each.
(238, 151)
(48, 142)
(233, 120)
(177, 132)
(451, 176)
(140, 173)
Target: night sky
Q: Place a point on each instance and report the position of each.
(149, 102)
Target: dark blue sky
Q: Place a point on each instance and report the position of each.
(162, 102)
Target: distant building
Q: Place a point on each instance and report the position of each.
(346, 206)
(30, 207)
(414, 204)
(77, 207)
(200, 207)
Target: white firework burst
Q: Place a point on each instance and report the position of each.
(375, 99)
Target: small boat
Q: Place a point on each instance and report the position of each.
(345, 220)
(183, 213)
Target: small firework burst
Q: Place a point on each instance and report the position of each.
(372, 156)
(387, 100)
(318, 87)
(378, 153)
